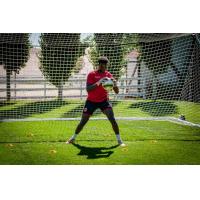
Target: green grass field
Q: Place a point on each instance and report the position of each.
(148, 142)
(73, 108)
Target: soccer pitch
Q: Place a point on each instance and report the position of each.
(148, 142)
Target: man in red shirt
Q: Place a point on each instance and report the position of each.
(98, 98)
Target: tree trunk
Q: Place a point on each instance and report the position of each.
(60, 92)
(8, 93)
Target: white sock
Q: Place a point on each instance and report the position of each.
(118, 137)
(74, 136)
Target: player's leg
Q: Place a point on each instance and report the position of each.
(108, 111)
(88, 110)
(110, 115)
(84, 120)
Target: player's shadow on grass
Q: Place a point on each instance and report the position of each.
(156, 108)
(95, 152)
(75, 112)
(28, 109)
(6, 103)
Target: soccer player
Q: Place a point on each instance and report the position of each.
(98, 98)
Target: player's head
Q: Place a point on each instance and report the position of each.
(103, 61)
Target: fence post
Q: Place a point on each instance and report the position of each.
(15, 92)
(45, 92)
(81, 91)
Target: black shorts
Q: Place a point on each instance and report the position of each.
(90, 106)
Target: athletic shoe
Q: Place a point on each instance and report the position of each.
(70, 141)
(120, 143)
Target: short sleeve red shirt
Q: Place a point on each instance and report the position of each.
(98, 94)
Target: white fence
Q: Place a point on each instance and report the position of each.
(38, 88)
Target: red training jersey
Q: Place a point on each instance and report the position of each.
(98, 94)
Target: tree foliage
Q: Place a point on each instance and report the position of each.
(115, 46)
(110, 45)
(14, 53)
(14, 50)
(59, 53)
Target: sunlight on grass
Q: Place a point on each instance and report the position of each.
(148, 142)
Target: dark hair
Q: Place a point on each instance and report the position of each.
(103, 59)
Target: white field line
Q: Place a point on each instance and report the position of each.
(171, 119)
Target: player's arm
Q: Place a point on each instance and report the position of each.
(90, 87)
(115, 87)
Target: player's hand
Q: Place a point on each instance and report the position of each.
(114, 82)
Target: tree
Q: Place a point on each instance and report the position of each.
(115, 46)
(79, 64)
(130, 42)
(110, 45)
(59, 53)
(14, 54)
(157, 57)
